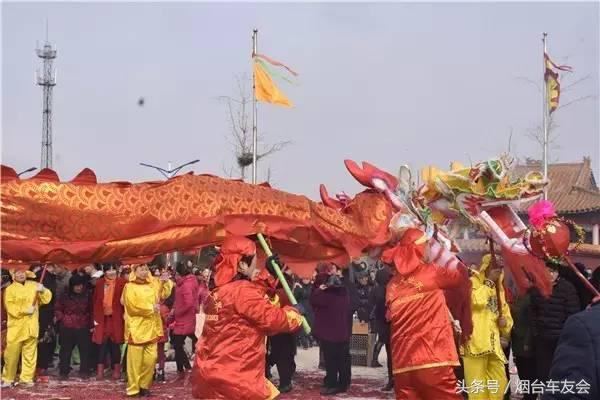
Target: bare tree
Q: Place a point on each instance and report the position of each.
(537, 133)
(239, 111)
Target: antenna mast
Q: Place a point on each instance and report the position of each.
(47, 80)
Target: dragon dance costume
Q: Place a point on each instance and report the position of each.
(23, 327)
(45, 220)
(422, 340)
(230, 356)
(143, 328)
(483, 356)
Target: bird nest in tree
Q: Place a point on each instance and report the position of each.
(244, 159)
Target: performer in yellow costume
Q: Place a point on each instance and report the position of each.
(21, 306)
(483, 356)
(143, 326)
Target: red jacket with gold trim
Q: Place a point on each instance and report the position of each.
(421, 332)
(230, 356)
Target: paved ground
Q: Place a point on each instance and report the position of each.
(366, 384)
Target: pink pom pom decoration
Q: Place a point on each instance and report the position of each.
(540, 212)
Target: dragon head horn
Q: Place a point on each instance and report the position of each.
(328, 201)
(358, 173)
(369, 173)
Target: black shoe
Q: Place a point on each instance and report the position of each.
(285, 389)
(342, 389)
(84, 375)
(145, 393)
(329, 391)
(389, 387)
(160, 375)
(63, 377)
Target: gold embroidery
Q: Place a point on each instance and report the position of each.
(274, 301)
(273, 391)
(216, 302)
(415, 283)
(293, 316)
(402, 300)
(212, 317)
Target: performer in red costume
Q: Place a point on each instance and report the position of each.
(230, 357)
(422, 340)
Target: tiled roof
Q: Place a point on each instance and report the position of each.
(572, 186)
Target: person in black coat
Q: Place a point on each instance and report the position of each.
(549, 316)
(48, 336)
(595, 281)
(584, 294)
(576, 357)
(348, 280)
(302, 290)
(283, 345)
(521, 341)
(380, 322)
(363, 289)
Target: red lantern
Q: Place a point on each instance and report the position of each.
(552, 240)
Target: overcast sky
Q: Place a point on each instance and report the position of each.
(387, 83)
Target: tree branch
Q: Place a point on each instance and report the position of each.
(275, 148)
(240, 129)
(531, 81)
(577, 100)
(566, 88)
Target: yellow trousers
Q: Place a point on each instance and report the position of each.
(26, 350)
(485, 377)
(140, 367)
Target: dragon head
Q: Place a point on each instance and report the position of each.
(466, 192)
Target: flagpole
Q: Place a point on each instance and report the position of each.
(254, 111)
(545, 116)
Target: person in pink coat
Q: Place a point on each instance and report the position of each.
(184, 314)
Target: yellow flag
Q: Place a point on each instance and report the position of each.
(552, 83)
(265, 88)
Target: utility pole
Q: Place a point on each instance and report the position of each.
(47, 80)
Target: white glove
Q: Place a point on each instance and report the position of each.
(457, 327)
(29, 310)
(40, 287)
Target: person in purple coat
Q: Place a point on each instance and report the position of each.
(331, 306)
(184, 314)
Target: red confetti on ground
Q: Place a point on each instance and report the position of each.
(306, 386)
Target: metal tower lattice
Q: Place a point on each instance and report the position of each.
(47, 81)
